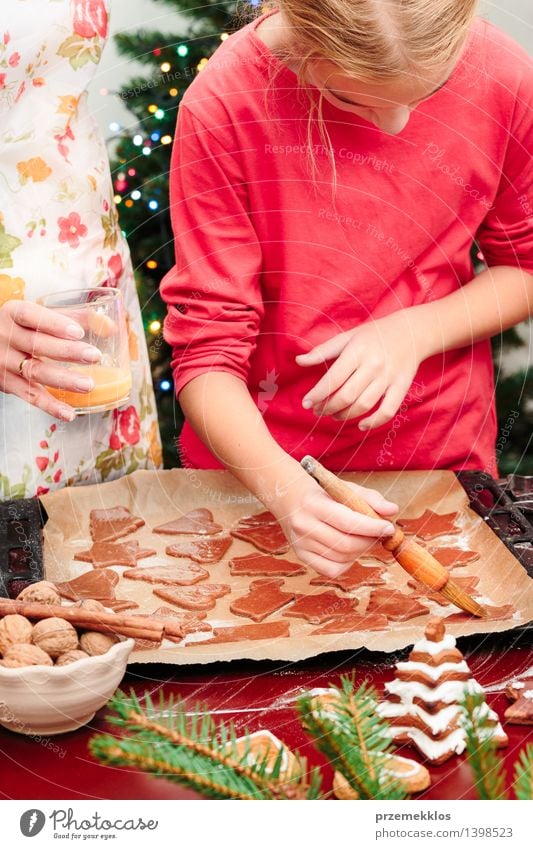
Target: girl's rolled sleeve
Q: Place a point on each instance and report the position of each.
(213, 294)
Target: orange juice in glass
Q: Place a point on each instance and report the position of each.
(101, 313)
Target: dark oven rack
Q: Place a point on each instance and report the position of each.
(507, 507)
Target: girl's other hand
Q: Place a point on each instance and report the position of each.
(29, 332)
(327, 535)
(375, 364)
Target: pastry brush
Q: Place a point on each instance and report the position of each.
(417, 561)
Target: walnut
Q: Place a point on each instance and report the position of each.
(90, 604)
(70, 657)
(14, 629)
(95, 643)
(43, 592)
(54, 636)
(23, 654)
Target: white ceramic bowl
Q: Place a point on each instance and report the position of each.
(44, 700)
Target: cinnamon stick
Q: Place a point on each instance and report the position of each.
(138, 627)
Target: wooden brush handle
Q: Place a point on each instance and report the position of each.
(417, 561)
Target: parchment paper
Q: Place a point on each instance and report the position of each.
(161, 496)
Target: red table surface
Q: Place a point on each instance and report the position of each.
(253, 695)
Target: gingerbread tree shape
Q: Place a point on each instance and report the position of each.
(422, 702)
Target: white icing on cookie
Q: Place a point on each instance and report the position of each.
(527, 694)
(447, 692)
(433, 672)
(437, 722)
(429, 647)
(518, 685)
(434, 749)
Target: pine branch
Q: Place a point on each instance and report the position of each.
(486, 764)
(523, 774)
(353, 737)
(197, 753)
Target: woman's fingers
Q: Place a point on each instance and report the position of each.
(40, 344)
(36, 317)
(35, 394)
(322, 565)
(62, 378)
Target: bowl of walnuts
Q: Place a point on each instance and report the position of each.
(54, 676)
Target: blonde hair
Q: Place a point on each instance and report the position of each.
(377, 40)
(371, 41)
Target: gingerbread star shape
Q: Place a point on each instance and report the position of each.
(430, 524)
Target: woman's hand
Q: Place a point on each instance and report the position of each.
(327, 535)
(30, 331)
(374, 364)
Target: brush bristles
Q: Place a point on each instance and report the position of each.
(457, 596)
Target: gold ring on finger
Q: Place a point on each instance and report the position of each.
(22, 364)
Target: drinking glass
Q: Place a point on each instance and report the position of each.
(101, 313)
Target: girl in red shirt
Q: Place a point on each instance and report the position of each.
(333, 163)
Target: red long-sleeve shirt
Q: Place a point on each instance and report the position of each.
(271, 260)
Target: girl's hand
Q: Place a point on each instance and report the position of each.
(327, 535)
(30, 331)
(375, 363)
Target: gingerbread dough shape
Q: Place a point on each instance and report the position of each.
(264, 531)
(203, 597)
(492, 612)
(207, 550)
(430, 525)
(110, 524)
(180, 574)
(454, 557)
(104, 554)
(198, 521)
(264, 565)
(395, 605)
(354, 622)
(356, 576)
(321, 607)
(263, 598)
(98, 585)
(253, 631)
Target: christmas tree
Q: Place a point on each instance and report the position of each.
(140, 167)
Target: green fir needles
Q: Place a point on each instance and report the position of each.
(196, 752)
(346, 729)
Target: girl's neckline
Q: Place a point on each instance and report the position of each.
(265, 51)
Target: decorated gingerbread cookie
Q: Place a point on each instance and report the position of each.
(264, 597)
(422, 702)
(412, 776)
(520, 690)
(264, 531)
(199, 521)
(430, 525)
